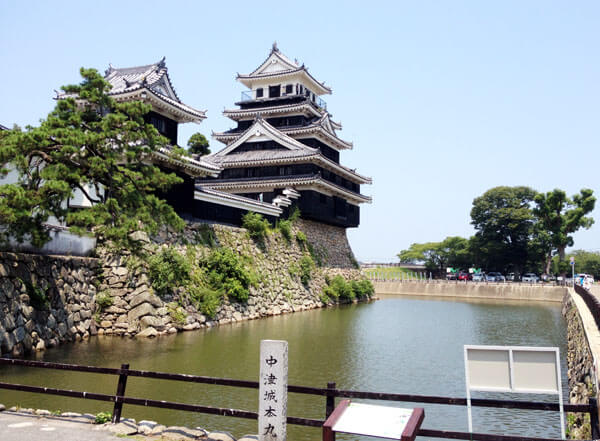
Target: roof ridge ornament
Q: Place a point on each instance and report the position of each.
(275, 48)
(161, 64)
(108, 71)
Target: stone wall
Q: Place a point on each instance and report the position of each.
(136, 310)
(75, 287)
(580, 368)
(45, 300)
(330, 242)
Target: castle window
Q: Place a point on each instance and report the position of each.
(158, 123)
(259, 92)
(289, 89)
(274, 91)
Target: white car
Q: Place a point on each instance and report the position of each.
(530, 277)
(478, 277)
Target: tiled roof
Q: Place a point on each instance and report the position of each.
(153, 78)
(3, 127)
(130, 78)
(305, 107)
(222, 197)
(297, 182)
(276, 157)
(262, 155)
(289, 67)
(190, 165)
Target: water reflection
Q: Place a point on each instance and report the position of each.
(396, 345)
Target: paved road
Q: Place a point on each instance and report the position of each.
(20, 427)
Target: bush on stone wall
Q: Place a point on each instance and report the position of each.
(307, 265)
(285, 227)
(167, 270)
(256, 225)
(339, 288)
(227, 273)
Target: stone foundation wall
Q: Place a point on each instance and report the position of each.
(136, 310)
(75, 287)
(330, 242)
(45, 301)
(580, 368)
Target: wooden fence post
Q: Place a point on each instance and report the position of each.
(330, 402)
(594, 418)
(116, 417)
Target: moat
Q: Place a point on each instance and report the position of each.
(395, 345)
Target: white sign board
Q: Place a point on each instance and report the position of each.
(272, 397)
(513, 369)
(372, 420)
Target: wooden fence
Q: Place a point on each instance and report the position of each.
(330, 393)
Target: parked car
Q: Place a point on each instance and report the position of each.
(512, 277)
(530, 278)
(478, 277)
(451, 276)
(490, 277)
(464, 275)
(494, 276)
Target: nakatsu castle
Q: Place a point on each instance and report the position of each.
(284, 151)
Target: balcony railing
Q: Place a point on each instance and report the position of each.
(248, 95)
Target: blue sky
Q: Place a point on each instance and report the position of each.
(443, 100)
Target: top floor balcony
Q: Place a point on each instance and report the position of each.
(277, 93)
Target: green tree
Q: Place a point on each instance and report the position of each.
(198, 144)
(559, 217)
(587, 262)
(452, 251)
(504, 222)
(92, 144)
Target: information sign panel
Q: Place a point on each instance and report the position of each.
(372, 420)
(513, 369)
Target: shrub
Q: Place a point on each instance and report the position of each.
(307, 266)
(338, 288)
(294, 214)
(362, 288)
(301, 238)
(285, 226)
(103, 417)
(177, 313)
(227, 272)
(324, 298)
(104, 300)
(256, 225)
(293, 270)
(207, 301)
(205, 235)
(167, 270)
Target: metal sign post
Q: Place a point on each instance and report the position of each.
(573, 270)
(272, 396)
(516, 369)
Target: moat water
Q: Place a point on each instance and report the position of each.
(394, 345)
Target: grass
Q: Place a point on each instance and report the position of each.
(388, 272)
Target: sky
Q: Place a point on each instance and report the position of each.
(443, 100)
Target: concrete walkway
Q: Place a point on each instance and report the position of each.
(24, 427)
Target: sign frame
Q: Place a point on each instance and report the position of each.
(510, 350)
(409, 431)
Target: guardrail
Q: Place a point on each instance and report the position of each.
(592, 302)
(330, 393)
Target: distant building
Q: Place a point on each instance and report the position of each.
(285, 150)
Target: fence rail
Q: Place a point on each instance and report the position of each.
(592, 302)
(330, 393)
